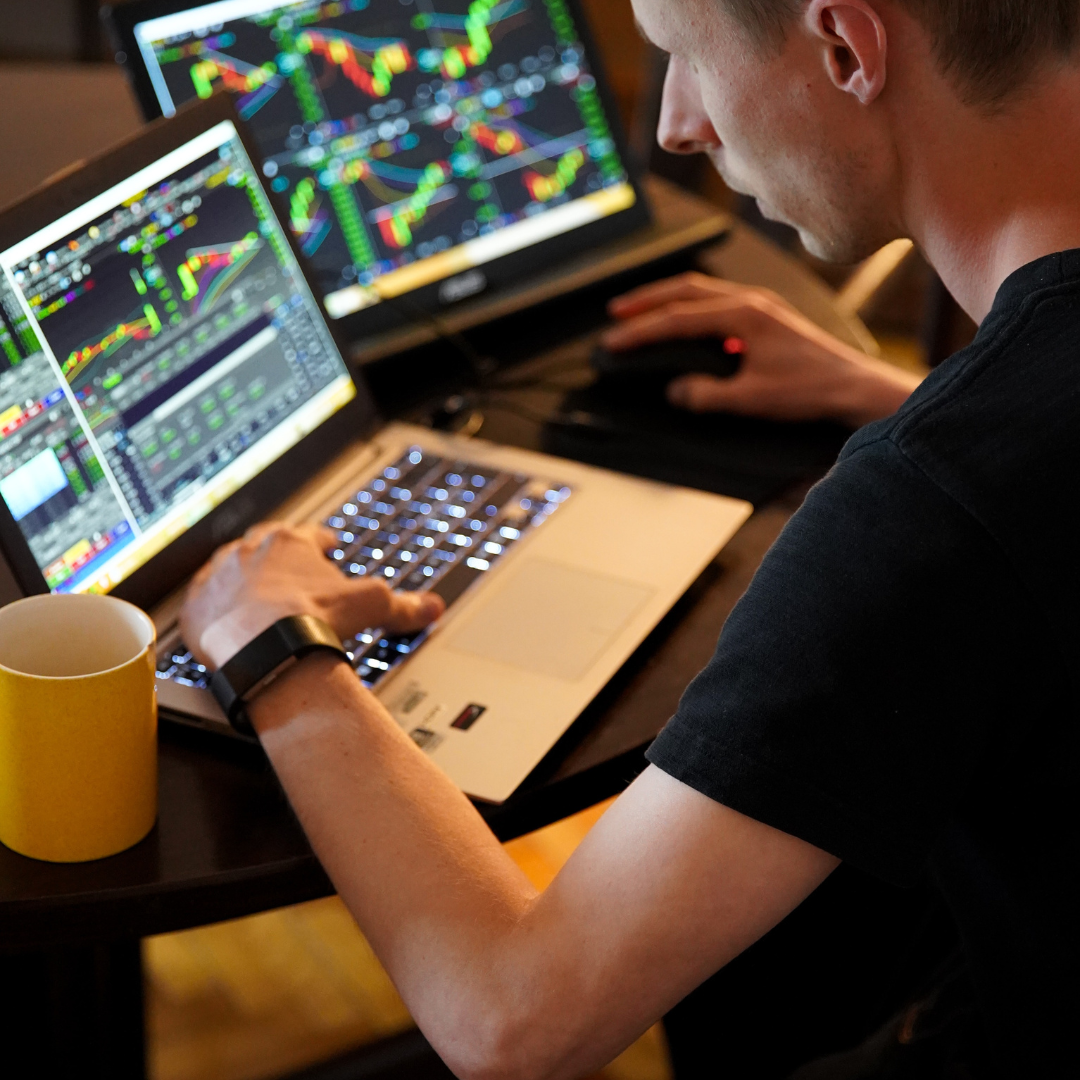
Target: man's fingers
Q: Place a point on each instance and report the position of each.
(323, 537)
(215, 560)
(319, 536)
(373, 604)
(259, 532)
(684, 319)
(412, 611)
(691, 286)
(704, 393)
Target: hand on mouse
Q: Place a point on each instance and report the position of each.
(274, 571)
(791, 368)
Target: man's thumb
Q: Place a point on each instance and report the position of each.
(413, 611)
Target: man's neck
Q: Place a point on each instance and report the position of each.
(988, 193)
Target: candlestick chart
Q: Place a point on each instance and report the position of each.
(397, 130)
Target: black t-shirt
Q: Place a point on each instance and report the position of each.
(899, 684)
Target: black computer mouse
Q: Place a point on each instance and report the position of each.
(669, 359)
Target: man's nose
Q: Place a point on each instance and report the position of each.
(685, 127)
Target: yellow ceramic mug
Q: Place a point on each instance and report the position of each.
(78, 727)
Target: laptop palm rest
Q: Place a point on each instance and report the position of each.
(550, 619)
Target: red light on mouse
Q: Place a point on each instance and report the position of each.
(734, 346)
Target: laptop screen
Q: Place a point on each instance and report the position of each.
(159, 348)
(411, 144)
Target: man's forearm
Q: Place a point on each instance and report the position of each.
(429, 884)
(668, 887)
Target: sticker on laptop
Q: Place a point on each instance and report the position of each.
(468, 716)
(424, 738)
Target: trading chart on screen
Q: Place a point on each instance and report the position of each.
(50, 475)
(160, 347)
(411, 139)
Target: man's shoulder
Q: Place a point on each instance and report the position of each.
(1018, 377)
(996, 430)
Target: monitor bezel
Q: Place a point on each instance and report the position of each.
(425, 302)
(356, 420)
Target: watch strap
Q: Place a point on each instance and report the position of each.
(263, 658)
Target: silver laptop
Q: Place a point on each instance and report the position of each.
(167, 378)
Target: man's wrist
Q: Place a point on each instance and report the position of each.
(289, 696)
(227, 636)
(266, 658)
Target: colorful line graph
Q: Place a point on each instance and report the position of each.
(498, 140)
(370, 64)
(377, 176)
(309, 220)
(61, 301)
(254, 85)
(208, 272)
(396, 226)
(342, 199)
(487, 11)
(475, 27)
(546, 188)
(131, 329)
(196, 48)
(155, 235)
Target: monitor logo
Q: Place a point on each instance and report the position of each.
(458, 288)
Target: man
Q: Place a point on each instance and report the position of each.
(897, 690)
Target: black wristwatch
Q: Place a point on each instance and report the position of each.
(263, 659)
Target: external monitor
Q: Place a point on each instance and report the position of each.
(423, 150)
(160, 351)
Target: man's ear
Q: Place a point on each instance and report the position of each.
(855, 45)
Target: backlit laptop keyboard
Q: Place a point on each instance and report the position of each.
(428, 523)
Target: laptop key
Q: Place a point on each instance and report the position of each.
(501, 494)
(425, 524)
(455, 581)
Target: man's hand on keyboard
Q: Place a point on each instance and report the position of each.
(275, 571)
(791, 368)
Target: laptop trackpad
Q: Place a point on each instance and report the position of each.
(549, 618)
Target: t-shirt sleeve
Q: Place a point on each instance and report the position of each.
(846, 702)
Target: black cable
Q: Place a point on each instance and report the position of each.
(483, 367)
(576, 418)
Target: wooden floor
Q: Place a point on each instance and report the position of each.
(262, 997)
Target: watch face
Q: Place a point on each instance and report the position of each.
(241, 679)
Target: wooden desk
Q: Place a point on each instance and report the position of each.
(226, 843)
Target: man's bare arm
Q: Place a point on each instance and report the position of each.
(666, 889)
